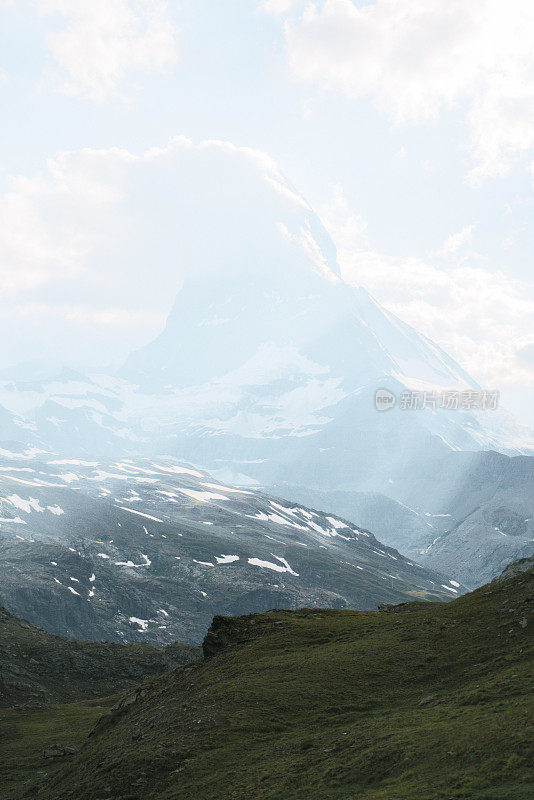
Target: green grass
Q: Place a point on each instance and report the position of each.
(326, 705)
(24, 735)
(39, 668)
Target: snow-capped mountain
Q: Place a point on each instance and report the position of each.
(267, 369)
(286, 378)
(268, 356)
(281, 388)
(266, 344)
(151, 550)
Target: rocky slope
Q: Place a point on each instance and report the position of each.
(433, 703)
(151, 551)
(514, 569)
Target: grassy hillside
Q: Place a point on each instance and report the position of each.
(37, 667)
(435, 702)
(47, 686)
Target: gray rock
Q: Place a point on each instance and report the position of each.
(426, 700)
(58, 751)
(515, 568)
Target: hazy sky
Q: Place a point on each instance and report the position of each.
(408, 125)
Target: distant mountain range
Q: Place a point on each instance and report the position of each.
(462, 513)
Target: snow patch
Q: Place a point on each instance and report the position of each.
(139, 513)
(282, 567)
(222, 559)
(28, 506)
(203, 497)
(143, 623)
(57, 510)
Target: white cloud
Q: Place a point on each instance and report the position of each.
(99, 46)
(101, 239)
(32, 252)
(482, 318)
(456, 241)
(115, 318)
(51, 224)
(280, 7)
(415, 58)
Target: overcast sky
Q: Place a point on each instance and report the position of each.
(408, 125)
